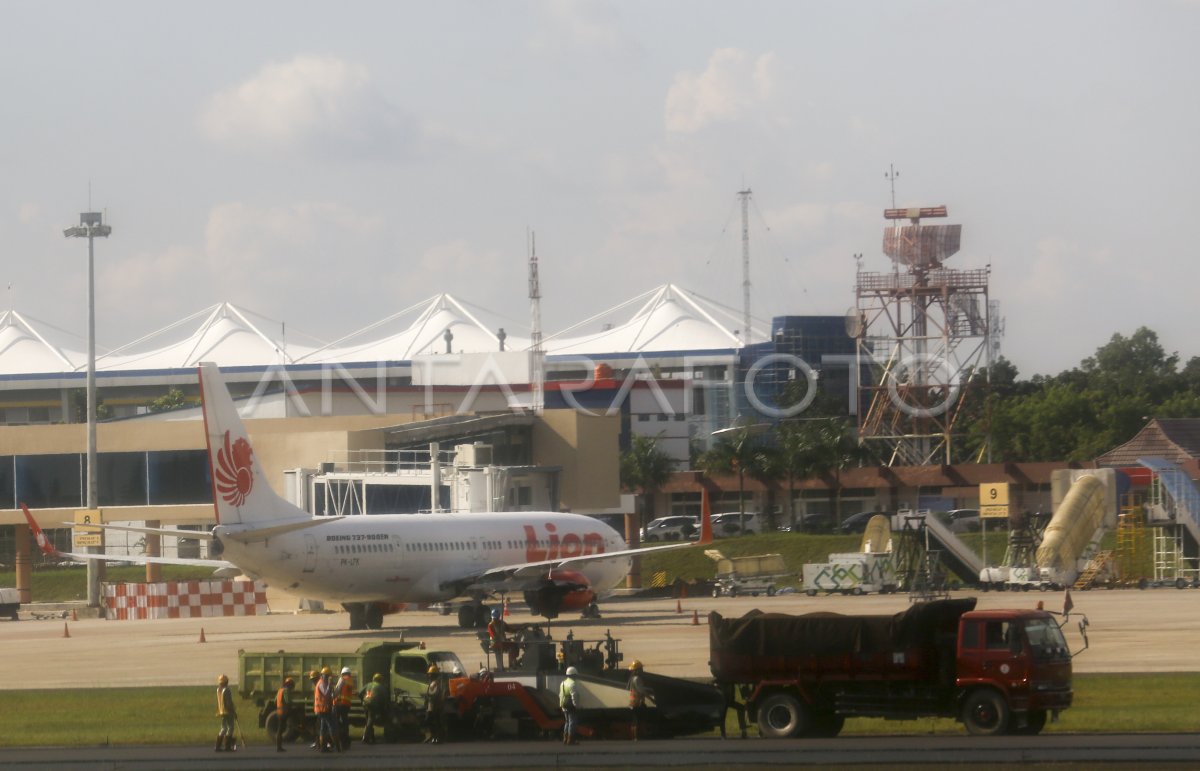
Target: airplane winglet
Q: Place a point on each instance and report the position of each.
(42, 541)
(706, 534)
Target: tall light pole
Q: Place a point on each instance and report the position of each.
(90, 226)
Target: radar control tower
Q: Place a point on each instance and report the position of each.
(924, 332)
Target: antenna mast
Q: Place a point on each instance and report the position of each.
(745, 196)
(535, 309)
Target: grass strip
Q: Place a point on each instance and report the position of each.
(1104, 703)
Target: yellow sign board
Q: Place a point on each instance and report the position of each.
(84, 535)
(993, 501)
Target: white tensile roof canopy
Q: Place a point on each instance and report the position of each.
(669, 319)
(25, 350)
(426, 334)
(226, 336)
(665, 319)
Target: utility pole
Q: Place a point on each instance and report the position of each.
(745, 196)
(535, 309)
(91, 226)
(890, 175)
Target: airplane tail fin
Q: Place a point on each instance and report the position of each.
(241, 493)
(38, 536)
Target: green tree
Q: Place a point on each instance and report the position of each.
(171, 400)
(735, 452)
(644, 469)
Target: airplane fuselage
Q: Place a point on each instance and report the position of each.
(422, 557)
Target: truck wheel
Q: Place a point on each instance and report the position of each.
(716, 591)
(1035, 721)
(1180, 583)
(781, 716)
(274, 725)
(985, 713)
(857, 591)
(770, 591)
(811, 592)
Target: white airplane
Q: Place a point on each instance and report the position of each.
(374, 563)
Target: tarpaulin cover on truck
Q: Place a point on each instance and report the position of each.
(818, 634)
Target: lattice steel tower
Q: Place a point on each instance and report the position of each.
(923, 331)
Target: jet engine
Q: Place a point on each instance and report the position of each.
(562, 590)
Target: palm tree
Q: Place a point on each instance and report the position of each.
(645, 468)
(735, 453)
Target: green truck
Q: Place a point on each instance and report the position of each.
(403, 665)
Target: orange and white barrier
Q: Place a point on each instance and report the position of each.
(185, 599)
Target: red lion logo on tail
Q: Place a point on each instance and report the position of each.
(235, 478)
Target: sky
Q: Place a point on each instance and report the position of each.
(325, 165)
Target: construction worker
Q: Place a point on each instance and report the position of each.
(343, 695)
(639, 692)
(226, 737)
(283, 707)
(323, 707)
(731, 703)
(568, 700)
(435, 706)
(498, 633)
(374, 697)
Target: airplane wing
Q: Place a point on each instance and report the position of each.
(199, 535)
(516, 576)
(47, 548)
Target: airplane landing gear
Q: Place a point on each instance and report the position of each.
(591, 610)
(364, 615)
(474, 615)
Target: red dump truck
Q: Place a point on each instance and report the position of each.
(996, 671)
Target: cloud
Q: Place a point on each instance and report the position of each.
(28, 212)
(733, 83)
(576, 25)
(314, 103)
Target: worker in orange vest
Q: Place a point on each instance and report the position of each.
(226, 741)
(343, 694)
(283, 706)
(323, 707)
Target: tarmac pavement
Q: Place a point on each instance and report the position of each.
(1130, 631)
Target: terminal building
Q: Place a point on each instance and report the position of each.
(431, 382)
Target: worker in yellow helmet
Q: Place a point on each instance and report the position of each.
(226, 741)
(639, 693)
(374, 697)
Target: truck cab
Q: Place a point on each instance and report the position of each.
(1014, 669)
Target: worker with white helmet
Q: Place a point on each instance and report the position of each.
(226, 741)
(343, 695)
(568, 700)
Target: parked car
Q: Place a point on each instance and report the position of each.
(856, 523)
(817, 522)
(675, 528)
(736, 524)
(963, 520)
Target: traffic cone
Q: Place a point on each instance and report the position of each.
(66, 631)
(506, 607)
(202, 635)
(695, 618)
(74, 615)
(678, 606)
